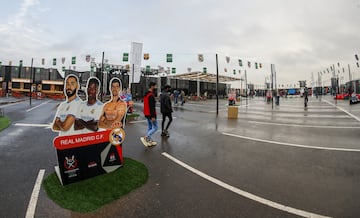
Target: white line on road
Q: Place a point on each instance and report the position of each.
(31, 124)
(291, 144)
(28, 110)
(30, 212)
(142, 121)
(243, 193)
(342, 109)
(306, 126)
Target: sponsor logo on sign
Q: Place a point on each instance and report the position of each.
(92, 164)
(70, 163)
(117, 136)
(112, 157)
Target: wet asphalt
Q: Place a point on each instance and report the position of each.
(289, 155)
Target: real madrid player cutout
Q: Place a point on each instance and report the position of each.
(115, 109)
(90, 110)
(66, 112)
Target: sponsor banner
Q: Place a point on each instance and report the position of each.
(135, 61)
(76, 164)
(87, 155)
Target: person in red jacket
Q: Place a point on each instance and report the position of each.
(150, 115)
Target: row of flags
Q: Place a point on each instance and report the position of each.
(332, 68)
(146, 56)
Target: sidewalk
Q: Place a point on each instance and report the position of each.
(9, 100)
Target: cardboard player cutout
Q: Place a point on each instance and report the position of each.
(84, 149)
(115, 109)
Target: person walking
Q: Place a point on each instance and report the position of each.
(166, 110)
(182, 94)
(150, 115)
(306, 99)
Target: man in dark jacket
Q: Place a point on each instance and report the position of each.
(150, 115)
(166, 110)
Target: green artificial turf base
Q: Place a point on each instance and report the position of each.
(90, 194)
(4, 122)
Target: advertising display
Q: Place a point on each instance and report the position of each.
(91, 133)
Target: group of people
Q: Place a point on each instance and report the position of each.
(150, 113)
(179, 96)
(75, 116)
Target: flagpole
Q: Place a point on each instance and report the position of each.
(217, 86)
(102, 76)
(31, 69)
(246, 91)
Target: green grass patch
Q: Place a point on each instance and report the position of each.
(90, 194)
(132, 115)
(4, 122)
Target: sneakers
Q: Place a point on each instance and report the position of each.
(147, 142)
(165, 133)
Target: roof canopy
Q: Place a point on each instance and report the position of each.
(204, 77)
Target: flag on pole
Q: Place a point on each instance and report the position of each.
(146, 56)
(169, 58)
(200, 57)
(73, 60)
(227, 59)
(125, 57)
(147, 69)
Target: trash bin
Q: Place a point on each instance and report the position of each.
(277, 100)
(233, 112)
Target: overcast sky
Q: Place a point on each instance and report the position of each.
(299, 37)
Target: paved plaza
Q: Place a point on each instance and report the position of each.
(284, 161)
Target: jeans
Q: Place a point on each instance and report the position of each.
(152, 127)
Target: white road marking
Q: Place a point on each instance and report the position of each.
(30, 212)
(292, 115)
(142, 121)
(342, 109)
(28, 110)
(243, 193)
(305, 126)
(292, 144)
(32, 125)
